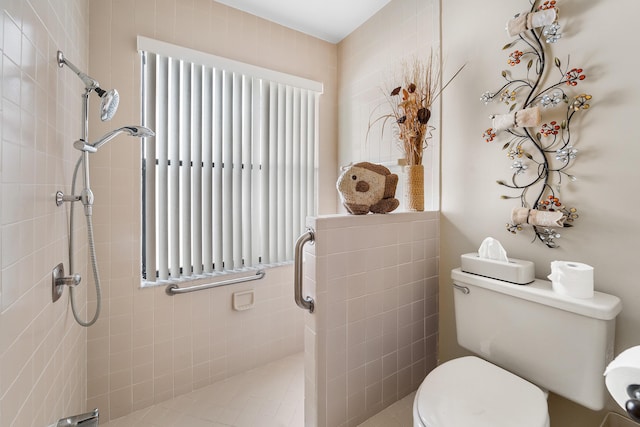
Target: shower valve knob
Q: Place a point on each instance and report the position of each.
(59, 281)
(70, 281)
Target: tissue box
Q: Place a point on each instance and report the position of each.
(515, 271)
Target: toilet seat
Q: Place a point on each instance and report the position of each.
(469, 391)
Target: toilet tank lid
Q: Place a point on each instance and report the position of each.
(602, 306)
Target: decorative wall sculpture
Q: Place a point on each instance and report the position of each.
(542, 101)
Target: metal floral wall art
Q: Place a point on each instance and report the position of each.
(540, 152)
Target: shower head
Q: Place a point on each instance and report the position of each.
(109, 104)
(138, 131)
(110, 99)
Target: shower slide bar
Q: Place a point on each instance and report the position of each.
(174, 289)
(306, 303)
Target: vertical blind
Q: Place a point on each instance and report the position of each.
(231, 176)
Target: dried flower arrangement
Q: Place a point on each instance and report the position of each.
(411, 104)
(540, 152)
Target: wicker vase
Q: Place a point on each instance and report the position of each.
(414, 188)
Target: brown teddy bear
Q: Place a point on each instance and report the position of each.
(367, 187)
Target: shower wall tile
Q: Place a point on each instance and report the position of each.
(43, 366)
(158, 346)
(374, 328)
(176, 344)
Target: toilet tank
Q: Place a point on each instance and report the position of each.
(559, 343)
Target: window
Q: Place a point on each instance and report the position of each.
(231, 176)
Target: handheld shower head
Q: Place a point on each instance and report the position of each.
(137, 131)
(110, 99)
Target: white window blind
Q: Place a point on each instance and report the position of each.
(231, 176)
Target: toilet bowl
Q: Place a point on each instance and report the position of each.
(470, 392)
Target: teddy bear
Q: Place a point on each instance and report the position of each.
(367, 187)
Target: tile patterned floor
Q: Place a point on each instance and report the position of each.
(269, 396)
(400, 414)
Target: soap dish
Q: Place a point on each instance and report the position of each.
(515, 271)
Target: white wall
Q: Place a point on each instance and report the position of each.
(597, 37)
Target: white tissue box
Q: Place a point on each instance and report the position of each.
(515, 271)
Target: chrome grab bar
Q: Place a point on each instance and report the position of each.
(305, 303)
(174, 289)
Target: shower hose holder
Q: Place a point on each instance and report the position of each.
(86, 197)
(61, 198)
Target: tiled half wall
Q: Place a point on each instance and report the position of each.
(373, 336)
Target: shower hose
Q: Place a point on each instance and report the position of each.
(92, 255)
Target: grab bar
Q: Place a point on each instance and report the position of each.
(174, 289)
(305, 303)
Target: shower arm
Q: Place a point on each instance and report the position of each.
(89, 83)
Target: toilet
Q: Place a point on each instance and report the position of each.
(527, 340)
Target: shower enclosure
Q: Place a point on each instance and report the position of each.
(368, 332)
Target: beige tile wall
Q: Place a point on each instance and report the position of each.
(136, 351)
(42, 349)
(152, 346)
(373, 336)
(148, 346)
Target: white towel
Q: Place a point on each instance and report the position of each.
(523, 118)
(536, 217)
(527, 21)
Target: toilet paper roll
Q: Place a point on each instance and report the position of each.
(623, 371)
(573, 279)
